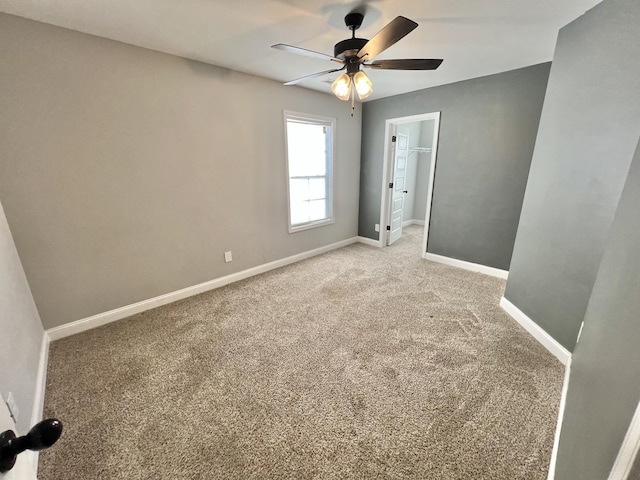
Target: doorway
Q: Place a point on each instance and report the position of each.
(409, 165)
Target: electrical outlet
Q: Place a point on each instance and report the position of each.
(227, 256)
(377, 227)
(13, 407)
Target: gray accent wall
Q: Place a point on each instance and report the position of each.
(126, 173)
(21, 332)
(603, 386)
(488, 128)
(588, 132)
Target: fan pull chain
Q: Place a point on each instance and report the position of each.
(353, 102)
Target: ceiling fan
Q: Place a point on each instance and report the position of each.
(354, 53)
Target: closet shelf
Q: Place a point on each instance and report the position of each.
(420, 150)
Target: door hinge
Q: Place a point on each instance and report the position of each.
(393, 139)
(389, 227)
(391, 185)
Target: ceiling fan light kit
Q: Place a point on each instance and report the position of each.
(355, 53)
(341, 87)
(364, 87)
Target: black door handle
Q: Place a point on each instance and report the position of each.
(405, 191)
(41, 436)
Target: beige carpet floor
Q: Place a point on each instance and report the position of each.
(362, 363)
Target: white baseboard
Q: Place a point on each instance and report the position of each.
(474, 267)
(556, 438)
(139, 307)
(38, 396)
(412, 222)
(370, 241)
(628, 450)
(538, 333)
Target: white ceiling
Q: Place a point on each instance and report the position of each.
(474, 37)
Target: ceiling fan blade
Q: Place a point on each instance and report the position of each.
(313, 75)
(305, 52)
(390, 34)
(406, 64)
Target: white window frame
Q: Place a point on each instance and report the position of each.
(317, 120)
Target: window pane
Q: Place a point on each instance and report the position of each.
(307, 149)
(299, 190)
(317, 188)
(299, 212)
(317, 210)
(307, 166)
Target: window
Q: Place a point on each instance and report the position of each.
(309, 142)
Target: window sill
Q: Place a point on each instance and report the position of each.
(310, 225)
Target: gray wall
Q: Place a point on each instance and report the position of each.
(587, 135)
(126, 173)
(20, 330)
(487, 133)
(603, 385)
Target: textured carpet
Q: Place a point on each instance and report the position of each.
(360, 363)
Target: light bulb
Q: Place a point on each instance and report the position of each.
(364, 87)
(341, 87)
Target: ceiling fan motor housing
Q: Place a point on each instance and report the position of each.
(349, 47)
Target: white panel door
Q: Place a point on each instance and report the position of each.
(399, 179)
(22, 469)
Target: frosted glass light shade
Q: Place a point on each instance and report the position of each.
(341, 87)
(364, 87)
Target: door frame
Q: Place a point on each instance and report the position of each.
(390, 128)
